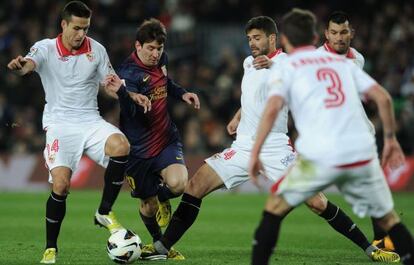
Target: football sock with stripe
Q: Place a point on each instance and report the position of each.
(114, 178)
(339, 221)
(182, 219)
(55, 212)
(265, 238)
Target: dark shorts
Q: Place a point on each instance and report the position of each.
(143, 175)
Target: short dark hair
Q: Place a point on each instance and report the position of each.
(77, 9)
(150, 30)
(299, 26)
(264, 23)
(338, 17)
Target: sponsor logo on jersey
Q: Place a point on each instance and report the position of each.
(158, 93)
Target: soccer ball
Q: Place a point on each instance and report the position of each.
(124, 246)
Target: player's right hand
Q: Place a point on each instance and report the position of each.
(141, 100)
(262, 62)
(392, 154)
(255, 169)
(232, 126)
(17, 63)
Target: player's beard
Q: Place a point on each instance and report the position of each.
(342, 49)
(261, 51)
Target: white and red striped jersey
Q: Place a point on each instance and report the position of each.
(253, 100)
(322, 92)
(70, 81)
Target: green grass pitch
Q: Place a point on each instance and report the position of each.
(221, 235)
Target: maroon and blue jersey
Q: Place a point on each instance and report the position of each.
(148, 133)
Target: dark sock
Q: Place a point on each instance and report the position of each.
(55, 212)
(344, 225)
(265, 238)
(114, 178)
(152, 226)
(164, 193)
(378, 232)
(181, 220)
(403, 243)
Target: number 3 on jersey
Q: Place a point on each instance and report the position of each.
(336, 96)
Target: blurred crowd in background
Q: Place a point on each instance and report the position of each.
(206, 47)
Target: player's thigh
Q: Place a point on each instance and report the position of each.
(304, 180)
(64, 147)
(142, 178)
(366, 189)
(95, 141)
(170, 164)
(204, 181)
(231, 166)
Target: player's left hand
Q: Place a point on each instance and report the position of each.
(112, 83)
(392, 154)
(255, 169)
(191, 99)
(261, 62)
(141, 100)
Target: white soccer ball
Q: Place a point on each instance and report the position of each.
(124, 246)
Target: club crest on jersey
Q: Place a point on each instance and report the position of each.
(164, 70)
(90, 56)
(32, 51)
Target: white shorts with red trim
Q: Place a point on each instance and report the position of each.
(363, 186)
(66, 143)
(232, 164)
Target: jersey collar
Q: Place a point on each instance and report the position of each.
(274, 54)
(84, 48)
(349, 54)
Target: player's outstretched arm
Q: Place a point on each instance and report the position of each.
(234, 123)
(192, 99)
(392, 154)
(273, 106)
(21, 65)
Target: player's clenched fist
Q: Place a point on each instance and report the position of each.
(20, 65)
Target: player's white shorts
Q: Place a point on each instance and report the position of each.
(363, 186)
(232, 164)
(65, 144)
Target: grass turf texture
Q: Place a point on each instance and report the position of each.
(221, 235)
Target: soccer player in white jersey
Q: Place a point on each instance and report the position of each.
(71, 67)
(228, 169)
(335, 145)
(339, 34)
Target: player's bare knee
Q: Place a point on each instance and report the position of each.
(177, 185)
(277, 205)
(117, 145)
(61, 187)
(317, 203)
(388, 221)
